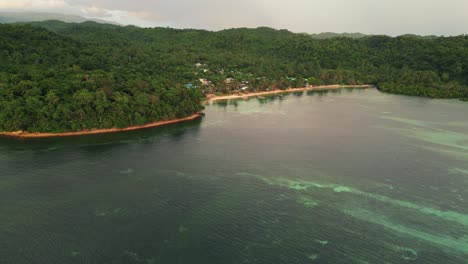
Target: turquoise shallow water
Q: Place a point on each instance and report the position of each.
(320, 177)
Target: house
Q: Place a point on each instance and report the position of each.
(228, 80)
(198, 65)
(204, 81)
(244, 88)
(189, 85)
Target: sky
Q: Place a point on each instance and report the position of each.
(390, 17)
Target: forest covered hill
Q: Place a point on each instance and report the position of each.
(57, 76)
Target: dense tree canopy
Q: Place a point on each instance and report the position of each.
(57, 76)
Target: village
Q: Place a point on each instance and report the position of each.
(237, 83)
(234, 82)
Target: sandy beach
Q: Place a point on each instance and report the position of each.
(22, 134)
(212, 98)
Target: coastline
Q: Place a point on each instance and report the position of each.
(213, 98)
(21, 134)
(210, 98)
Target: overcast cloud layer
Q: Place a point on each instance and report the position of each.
(391, 17)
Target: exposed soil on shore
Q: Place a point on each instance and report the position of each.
(22, 134)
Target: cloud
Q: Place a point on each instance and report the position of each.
(145, 15)
(94, 11)
(392, 17)
(31, 4)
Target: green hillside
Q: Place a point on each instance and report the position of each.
(57, 76)
(327, 35)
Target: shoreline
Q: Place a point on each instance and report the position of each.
(210, 98)
(289, 90)
(21, 134)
